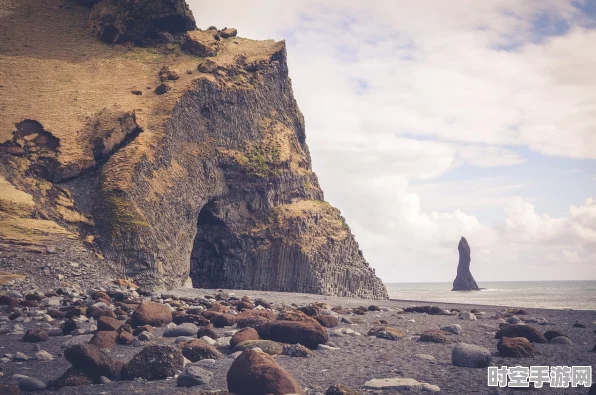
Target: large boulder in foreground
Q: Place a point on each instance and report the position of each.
(470, 356)
(139, 21)
(154, 362)
(516, 347)
(256, 373)
(520, 330)
(309, 334)
(150, 313)
(464, 280)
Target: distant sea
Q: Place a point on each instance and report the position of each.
(577, 295)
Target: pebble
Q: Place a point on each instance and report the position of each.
(452, 328)
(466, 315)
(223, 342)
(208, 340)
(43, 356)
(427, 357)
(326, 347)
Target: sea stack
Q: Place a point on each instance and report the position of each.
(464, 280)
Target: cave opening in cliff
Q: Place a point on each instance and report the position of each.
(211, 249)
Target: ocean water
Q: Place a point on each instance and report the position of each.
(577, 295)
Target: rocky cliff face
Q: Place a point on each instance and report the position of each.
(189, 163)
(464, 280)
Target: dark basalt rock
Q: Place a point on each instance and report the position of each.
(139, 21)
(464, 280)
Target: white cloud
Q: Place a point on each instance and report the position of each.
(400, 92)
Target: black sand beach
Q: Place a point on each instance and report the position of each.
(358, 359)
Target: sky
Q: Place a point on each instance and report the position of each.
(432, 120)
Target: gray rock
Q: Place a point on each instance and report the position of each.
(514, 320)
(452, 328)
(82, 339)
(104, 380)
(19, 356)
(466, 315)
(183, 339)
(400, 383)
(54, 331)
(186, 329)
(470, 356)
(32, 384)
(427, 357)
(145, 336)
(194, 375)
(561, 340)
(43, 356)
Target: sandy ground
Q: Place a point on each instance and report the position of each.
(359, 359)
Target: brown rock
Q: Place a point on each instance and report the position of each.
(104, 339)
(207, 331)
(228, 32)
(294, 315)
(124, 337)
(149, 313)
(144, 328)
(108, 324)
(243, 335)
(166, 74)
(328, 321)
(180, 317)
(256, 373)
(35, 335)
(207, 66)
(516, 347)
(90, 360)
(519, 330)
(201, 43)
(434, 336)
(196, 349)
(154, 362)
(222, 320)
(309, 334)
(251, 322)
(71, 378)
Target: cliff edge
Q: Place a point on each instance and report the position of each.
(183, 158)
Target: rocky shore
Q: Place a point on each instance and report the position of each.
(122, 339)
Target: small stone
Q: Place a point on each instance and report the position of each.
(43, 356)
(467, 316)
(326, 347)
(19, 356)
(32, 384)
(452, 328)
(104, 380)
(398, 383)
(427, 357)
